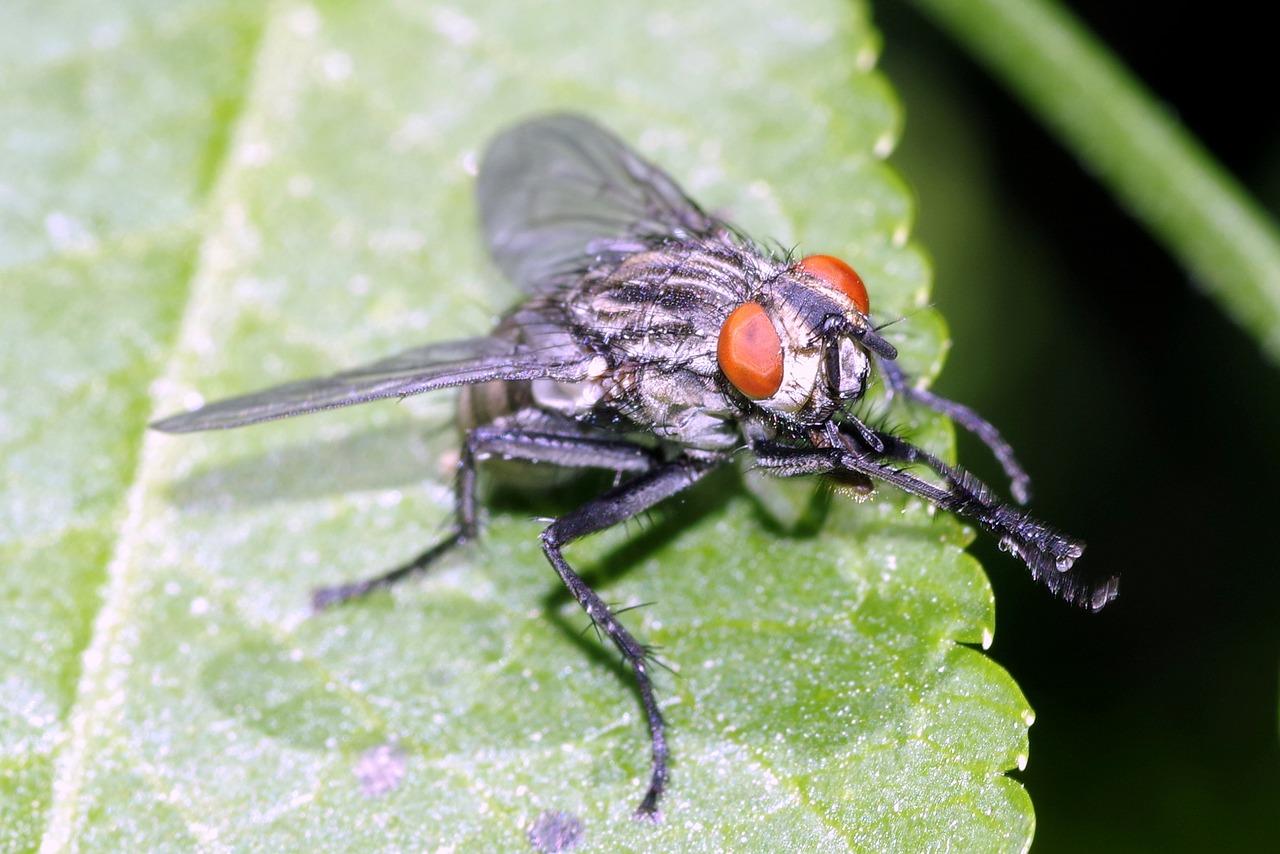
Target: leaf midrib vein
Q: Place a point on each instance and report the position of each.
(86, 713)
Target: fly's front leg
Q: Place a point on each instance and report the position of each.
(1019, 480)
(567, 448)
(617, 505)
(1048, 553)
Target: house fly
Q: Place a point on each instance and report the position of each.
(658, 342)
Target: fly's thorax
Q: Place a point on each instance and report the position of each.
(652, 320)
(665, 306)
(681, 406)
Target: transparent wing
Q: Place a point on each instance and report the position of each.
(434, 366)
(559, 192)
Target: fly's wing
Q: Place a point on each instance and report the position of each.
(434, 366)
(559, 193)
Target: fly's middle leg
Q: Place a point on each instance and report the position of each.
(566, 446)
(464, 530)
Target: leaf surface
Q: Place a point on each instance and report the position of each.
(201, 199)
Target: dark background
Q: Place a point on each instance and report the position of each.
(1149, 422)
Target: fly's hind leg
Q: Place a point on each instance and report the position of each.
(561, 447)
(655, 482)
(617, 505)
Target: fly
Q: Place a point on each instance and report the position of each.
(658, 342)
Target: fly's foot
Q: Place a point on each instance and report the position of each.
(324, 598)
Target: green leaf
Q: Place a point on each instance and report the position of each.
(201, 199)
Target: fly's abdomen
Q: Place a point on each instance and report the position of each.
(485, 403)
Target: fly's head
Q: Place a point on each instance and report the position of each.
(802, 349)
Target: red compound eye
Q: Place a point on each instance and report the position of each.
(833, 271)
(750, 351)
